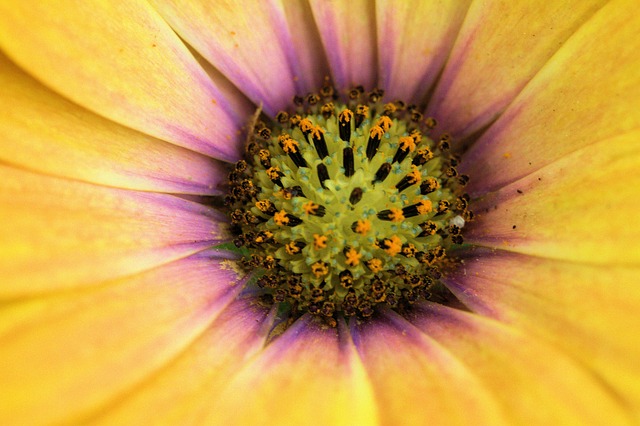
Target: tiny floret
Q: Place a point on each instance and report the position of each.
(353, 257)
(319, 241)
(281, 218)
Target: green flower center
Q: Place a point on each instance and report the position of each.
(344, 206)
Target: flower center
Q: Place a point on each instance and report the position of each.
(344, 206)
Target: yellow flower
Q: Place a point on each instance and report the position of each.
(116, 120)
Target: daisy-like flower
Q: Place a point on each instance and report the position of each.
(124, 301)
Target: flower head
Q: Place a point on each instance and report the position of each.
(123, 296)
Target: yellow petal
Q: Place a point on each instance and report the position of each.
(309, 375)
(183, 391)
(588, 311)
(58, 234)
(534, 382)
(415, 378)
(44, 132)
(501, 46)
(348, 33)
(125, 63)
(584, 207)
(414, 41)
(65, 356)
(251, 45)
(587, 92)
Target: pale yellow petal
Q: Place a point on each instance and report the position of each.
(588, 311)
(309, 375)
(534, 382)
(65, 356)
(58, 234)
(583, 207)
(44, 132)
(587, 92)
(501, 46)
(122, 61)
(415, 378)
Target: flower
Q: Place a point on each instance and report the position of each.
(116, 310)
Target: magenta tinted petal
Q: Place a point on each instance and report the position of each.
(93, 346)
(414, 377)
(286, 381)
(348, 33)
(586, 93)
(44, 132)
(125, 63)
(253, 49)
(303, 45)
(501, 46)
(414, 41)
(60, 234)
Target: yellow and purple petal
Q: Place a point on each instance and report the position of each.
(348, 33)
(414, 41)
(582, 207)
(587, 92)
(585, 310)
(534, 382)
(59, 234)
(500, 47)
(416, 378)
(183, 391)
(109, 317)
(123, 62)
(73, 353)
(43, 132)
(255, 50)
(310, 375)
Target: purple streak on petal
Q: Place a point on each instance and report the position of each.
(348, 33)
(227, 146)
(273, 97)
(290, 50)
(245, 48)
(190, 221)
(424, 311)
(203, 180)
(467, 286)
(330, 40)
(446, 122)
(414, 41)
(245, 314)
(178, 203)
(305, 327)
(301, 43)
(375, 328)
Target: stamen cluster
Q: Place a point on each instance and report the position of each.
(343, 206)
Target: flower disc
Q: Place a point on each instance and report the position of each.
(346, 206)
